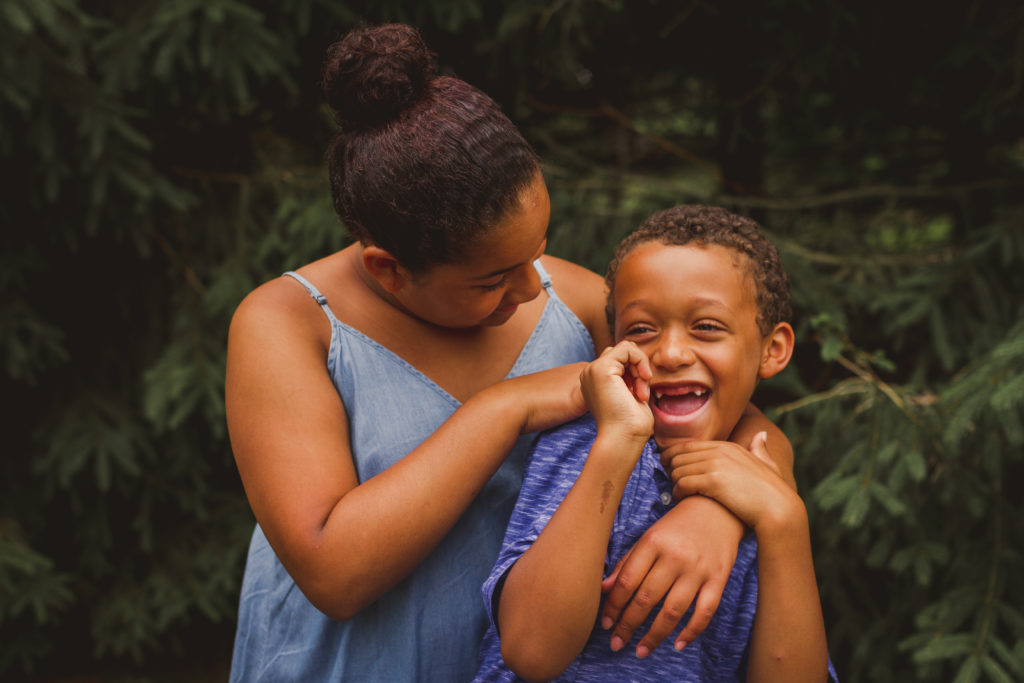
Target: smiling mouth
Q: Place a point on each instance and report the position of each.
(680, 401)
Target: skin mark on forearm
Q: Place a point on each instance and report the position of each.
(606, 492)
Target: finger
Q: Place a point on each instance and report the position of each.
(678, 600)
(686, 450)
(692, 484)
(609, 581)
(648, 594)
(630, 573)
(707, 603)
(759, 447)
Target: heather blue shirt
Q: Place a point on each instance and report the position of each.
(719, 654)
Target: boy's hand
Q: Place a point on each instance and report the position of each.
(747, 482)
(616, 388)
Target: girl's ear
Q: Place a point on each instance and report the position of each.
(778, 347)
(385, 269)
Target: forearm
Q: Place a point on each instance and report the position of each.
(778, 446)
(550, 598)
(379, 531)
(788, 642)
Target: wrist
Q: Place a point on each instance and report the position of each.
(785, 522)
(617, 450)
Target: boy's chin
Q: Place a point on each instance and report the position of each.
(666, 440)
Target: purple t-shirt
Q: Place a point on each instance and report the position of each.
(719, 654)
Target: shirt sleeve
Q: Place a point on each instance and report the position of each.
(555, 463)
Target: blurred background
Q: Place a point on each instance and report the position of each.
(162, 158)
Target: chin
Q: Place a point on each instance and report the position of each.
(666, 437)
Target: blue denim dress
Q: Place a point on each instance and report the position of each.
(427, 628)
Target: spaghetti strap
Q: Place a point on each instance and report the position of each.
(319, 298)
(545, 279)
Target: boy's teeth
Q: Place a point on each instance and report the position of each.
(696, 392)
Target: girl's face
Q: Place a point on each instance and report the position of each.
(496, 276)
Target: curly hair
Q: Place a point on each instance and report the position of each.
(423, 164)
(705, 225)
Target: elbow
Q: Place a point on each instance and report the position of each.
(531, 663)
(339, 597)
(790, 666)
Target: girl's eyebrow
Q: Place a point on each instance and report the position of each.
(500, 271)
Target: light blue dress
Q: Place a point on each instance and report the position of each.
(428, 628)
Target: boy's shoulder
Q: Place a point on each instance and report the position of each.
(558, 455)
(582, 427)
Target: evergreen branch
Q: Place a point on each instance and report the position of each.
(874, 379)
(608, 111)
(866, 193)
(190, 274)
(846, 196)
(946, 255)
(993, 574)
(845, 388)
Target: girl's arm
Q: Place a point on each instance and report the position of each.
(550, 597)
(788, 642)
(346, 543)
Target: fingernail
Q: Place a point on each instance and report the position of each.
(606, 623)
(680, 644)
(617, 643)
(642, 651)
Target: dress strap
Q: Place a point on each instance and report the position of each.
(545, 279)
(319, 298)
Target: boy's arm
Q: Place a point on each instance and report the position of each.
(788, 642)
(550, 597)
(685, 555)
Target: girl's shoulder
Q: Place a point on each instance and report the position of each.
(583, 291)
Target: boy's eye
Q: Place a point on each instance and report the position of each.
(708, 326)
(637, 330)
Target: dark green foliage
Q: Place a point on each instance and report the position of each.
(161, 159)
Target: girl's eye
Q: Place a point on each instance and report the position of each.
(496, 285)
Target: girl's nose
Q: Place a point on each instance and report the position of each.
(525, 285)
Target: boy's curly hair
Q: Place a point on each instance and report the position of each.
(704, 225)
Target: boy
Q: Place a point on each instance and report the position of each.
(698, 303)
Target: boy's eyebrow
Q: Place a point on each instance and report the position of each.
(697, 301)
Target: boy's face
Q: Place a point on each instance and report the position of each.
(693, 310)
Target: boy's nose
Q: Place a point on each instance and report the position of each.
(674, 351)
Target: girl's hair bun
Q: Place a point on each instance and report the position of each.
(373, 73)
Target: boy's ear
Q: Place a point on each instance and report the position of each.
(777, 350)
(385, 269)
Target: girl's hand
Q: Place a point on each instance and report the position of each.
(746, 482)
(616, 388)
(686, 555)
